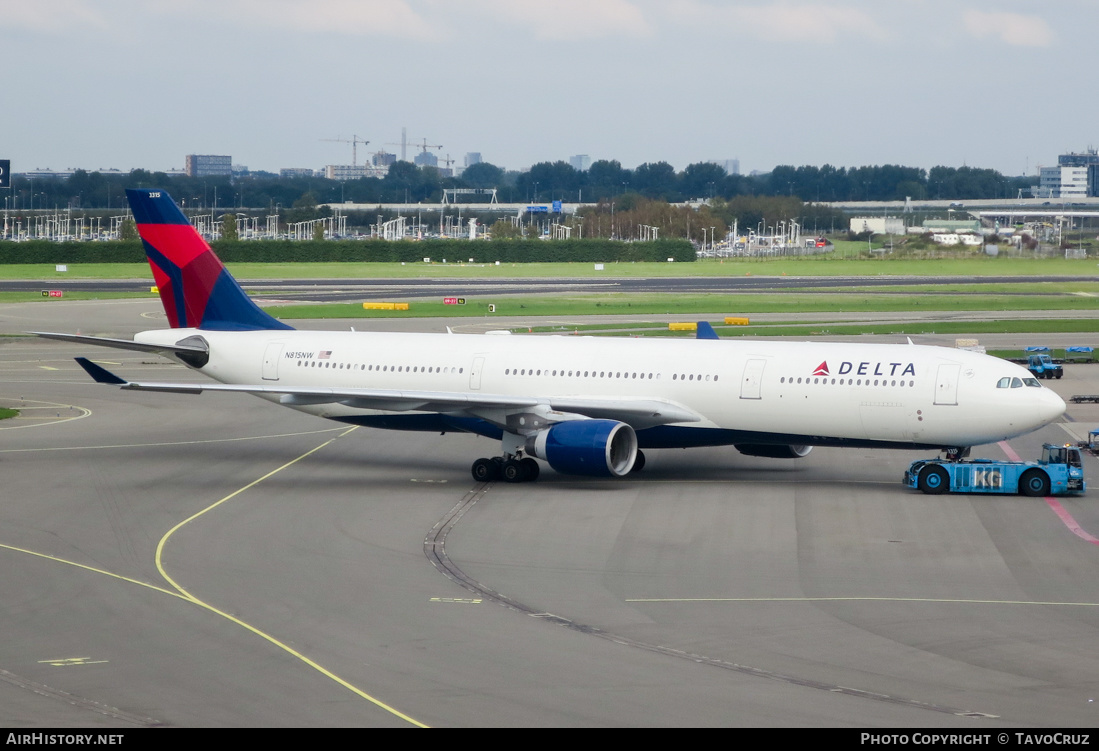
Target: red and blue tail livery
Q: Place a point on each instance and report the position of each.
(196, 289)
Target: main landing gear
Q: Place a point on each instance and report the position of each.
(510, 469)
(517, 468)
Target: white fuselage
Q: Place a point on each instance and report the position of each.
(833, 392)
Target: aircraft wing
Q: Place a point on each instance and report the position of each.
(496, 408)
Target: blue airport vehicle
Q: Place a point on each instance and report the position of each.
(1060, 471)
(1092, 443)
(1042, 366)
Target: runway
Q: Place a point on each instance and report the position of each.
(215, 561)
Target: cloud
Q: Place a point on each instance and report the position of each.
(780, 21)
(51, 16)
(369, 18)
(567, 19)
(1015, 29)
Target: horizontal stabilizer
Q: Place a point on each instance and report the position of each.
(99, 373)
(102, 341)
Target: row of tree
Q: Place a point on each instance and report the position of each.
(542, 183)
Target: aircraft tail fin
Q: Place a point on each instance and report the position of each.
(196, 290)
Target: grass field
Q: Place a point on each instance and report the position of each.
(804, 266)
(668, 304)
(964, 295)
(37, 296)
(1011, 326)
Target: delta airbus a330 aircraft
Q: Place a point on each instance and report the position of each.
(584, 405)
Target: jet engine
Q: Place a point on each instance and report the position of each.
(597, 448)
(773, 451)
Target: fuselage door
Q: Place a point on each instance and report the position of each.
(271, 357)
(475, 373)
(946, 384)
(752, 379)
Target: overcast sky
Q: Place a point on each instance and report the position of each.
(1006, 84)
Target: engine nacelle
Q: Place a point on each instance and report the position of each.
(773, 451)
(597, 448)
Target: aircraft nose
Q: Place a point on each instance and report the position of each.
(1050, 406)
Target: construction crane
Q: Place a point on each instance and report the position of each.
(354, 141)
(425, 145)
(422, 146)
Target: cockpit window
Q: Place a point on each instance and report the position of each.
(1008, 382)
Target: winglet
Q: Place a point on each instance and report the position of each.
(100, 374)
(705, 331)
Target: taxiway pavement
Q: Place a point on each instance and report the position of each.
(214, 560)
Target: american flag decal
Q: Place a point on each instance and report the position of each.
(324, 355)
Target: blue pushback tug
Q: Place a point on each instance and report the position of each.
(1060, 471)
(1042, 366)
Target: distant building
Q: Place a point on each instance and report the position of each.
(957, 238)
(1065, 183)
(39, 173)
(950, 226)
(731, 166)
(343, 172)
(383, 159)
(297, 172)
(1089, 160)
(580, 162)
(472, 158)
(878, 225)
(208, 165)
(426, 159)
